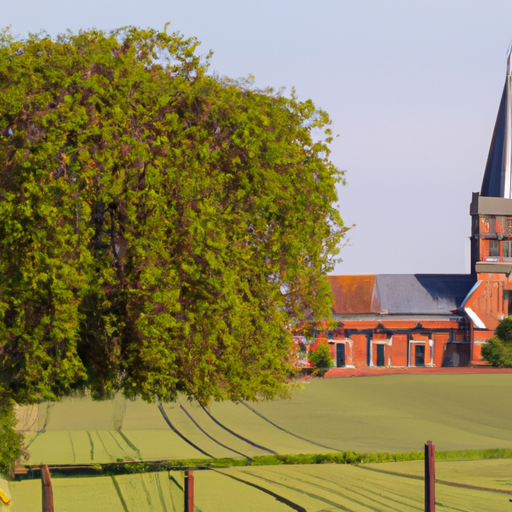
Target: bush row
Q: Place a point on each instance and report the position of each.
(347, 457)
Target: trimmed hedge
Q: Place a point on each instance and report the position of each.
(347, 457)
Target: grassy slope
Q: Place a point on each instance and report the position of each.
(399, 412)
(322, 487)
(135, 493)
(492, 474)
(395, 413)
(316, 488)
(388, 413)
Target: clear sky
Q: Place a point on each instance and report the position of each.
(412, 87)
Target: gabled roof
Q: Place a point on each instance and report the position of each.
(406, 294)
(423, 293)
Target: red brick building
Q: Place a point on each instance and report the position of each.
(436, 319)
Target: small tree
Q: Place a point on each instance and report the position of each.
(321, 359)
(498, 350)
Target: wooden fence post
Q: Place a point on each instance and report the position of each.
(46, 484)
(430, 477)
(189, 491)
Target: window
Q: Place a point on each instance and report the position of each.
(505, 224)
(488, 225)
(494, 250)
(507, 250)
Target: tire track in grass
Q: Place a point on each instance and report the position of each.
(92, 445)
(310, 494)
(176, 431)
(211, 437)
(390, 502)
(378, 498)
(412, 477)
(34, 438)
(120, 494)
(371, 491)
(72, 446)
(441, 482)
(171, 480)
(146, 492)
(43, 429)
(248, 441)
(278, 497)
(473, 487)
(287, 431)
(384, 488)
(321, 498)
(129, 443)
(118, 444)
(178, 508)
(104, 447)
(161, 493)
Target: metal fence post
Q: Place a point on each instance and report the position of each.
(46, 484)
(430, 477)
(189, 491)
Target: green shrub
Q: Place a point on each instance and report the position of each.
(498, 350)
(321, 359)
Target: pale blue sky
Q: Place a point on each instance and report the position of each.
(412, 87)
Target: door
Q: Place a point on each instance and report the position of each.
(420, 355)
(340, 355)
(380, 355)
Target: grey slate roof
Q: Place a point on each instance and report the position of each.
(422, 293)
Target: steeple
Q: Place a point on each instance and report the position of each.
(497, 180)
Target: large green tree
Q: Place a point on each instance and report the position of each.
(160, 228)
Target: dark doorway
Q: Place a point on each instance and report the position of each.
(380, 355)
(420, 355)
(340, 354)
(457, 354)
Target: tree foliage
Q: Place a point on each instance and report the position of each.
(160, 228)
(320, 357)
(498, 349)
(10, 440)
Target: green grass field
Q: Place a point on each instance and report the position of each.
(382, 487)
(391, 413)
(395, 413)
(400, 412)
